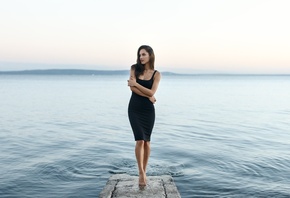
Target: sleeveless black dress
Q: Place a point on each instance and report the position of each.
(141, 112)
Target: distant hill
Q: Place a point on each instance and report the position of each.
(66, 72)
(72, 72)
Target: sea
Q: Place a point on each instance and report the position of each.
(216, 135)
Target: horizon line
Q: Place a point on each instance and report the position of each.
(27, 71)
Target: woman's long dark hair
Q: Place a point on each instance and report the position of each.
(139, 68)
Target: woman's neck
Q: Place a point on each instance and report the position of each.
(147, 67)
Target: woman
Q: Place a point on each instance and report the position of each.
(143, 83)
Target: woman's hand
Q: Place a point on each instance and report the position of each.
(152, 99)
(132, 82)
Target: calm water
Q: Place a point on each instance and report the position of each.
(218, 136)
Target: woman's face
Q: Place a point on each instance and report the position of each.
(144, 56)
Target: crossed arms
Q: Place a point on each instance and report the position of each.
(143, 91)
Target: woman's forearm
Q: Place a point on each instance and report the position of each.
(144, 90)
(137, 91)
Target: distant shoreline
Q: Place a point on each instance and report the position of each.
(65, 72)
(115, 72)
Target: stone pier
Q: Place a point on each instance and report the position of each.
(124, 186)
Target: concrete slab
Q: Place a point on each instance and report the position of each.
(124, 186)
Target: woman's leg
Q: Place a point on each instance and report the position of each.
(139, 153)
(146, 155)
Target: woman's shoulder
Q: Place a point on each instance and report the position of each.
(133, 66)
(157, 72)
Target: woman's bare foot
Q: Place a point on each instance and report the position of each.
(142, 179)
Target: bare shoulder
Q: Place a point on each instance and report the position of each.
(157, 75)
(133, 67)
(132, 72)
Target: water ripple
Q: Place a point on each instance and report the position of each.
(130, 167)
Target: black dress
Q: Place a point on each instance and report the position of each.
(141, 112)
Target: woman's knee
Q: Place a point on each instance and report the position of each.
(147, 144)
(140, 143)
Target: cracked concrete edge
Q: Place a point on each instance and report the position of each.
(109, 188)
(170, 187)
(111, 184)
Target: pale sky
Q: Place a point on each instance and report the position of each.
(196, 36)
